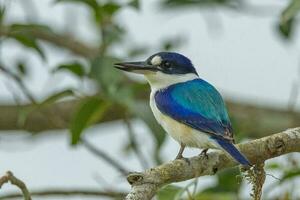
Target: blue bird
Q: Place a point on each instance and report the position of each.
(190, 109)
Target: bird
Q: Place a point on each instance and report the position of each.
(189, 109)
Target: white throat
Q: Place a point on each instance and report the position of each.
(160, 80)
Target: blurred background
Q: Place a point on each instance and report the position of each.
(72, 126)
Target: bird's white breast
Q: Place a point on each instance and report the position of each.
(179, 131)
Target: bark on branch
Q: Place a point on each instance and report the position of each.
(145, 184)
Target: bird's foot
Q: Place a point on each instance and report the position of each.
(180, 157)
(204, 153)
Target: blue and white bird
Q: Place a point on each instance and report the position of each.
(190, 109)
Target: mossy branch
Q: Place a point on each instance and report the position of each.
(145, 184)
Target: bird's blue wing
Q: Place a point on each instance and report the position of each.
(197, 104)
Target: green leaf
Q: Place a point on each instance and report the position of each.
(108, 77)
(21, 67)
(227, 182)
(288, 17)
(286, 28)
(135, 4)
(88, 112)
(273, 166)
(55, 97)
(110, 8)
(28, 28)
(168, 192)
(23, 33)
(290, 11)
(48, 101)
(74, 67)
(2, 14)
(289, 175)
(30, 42)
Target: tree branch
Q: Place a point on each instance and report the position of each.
(266, 120)
(61, 40)
(68, 192)
(9, 177)
(145, 185)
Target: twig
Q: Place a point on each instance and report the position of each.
(20, 83)
(135, 145)
(104, 156)
(68, 192)
(9, 177)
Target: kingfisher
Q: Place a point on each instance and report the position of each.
(188, 108)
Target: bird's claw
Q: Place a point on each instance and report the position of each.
(180, 157)
(204, 153)
(183, 158)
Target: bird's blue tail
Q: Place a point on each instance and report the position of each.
(233, 151)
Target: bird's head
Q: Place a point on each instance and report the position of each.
(162, 69)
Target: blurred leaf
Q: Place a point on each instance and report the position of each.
(112, 33)
(55, 97)
(110, 8)
(28, 28)
(168, 192)
(135, 4)
(74, 67)
(287, 19)
(110, 79)
(21, 67)
(2, 14)
(273, 166)
(23, 34)
(289, 175)
(172, 43)
(227, 182)
(290, 11)
(286, 28)
(46, 102)
(137, 51)
(31, 43)
(89, 111)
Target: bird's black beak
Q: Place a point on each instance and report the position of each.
(136, 67)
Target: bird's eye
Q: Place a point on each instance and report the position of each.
(166, 64)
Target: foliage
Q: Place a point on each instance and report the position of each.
(288, 18)
(89, 111)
